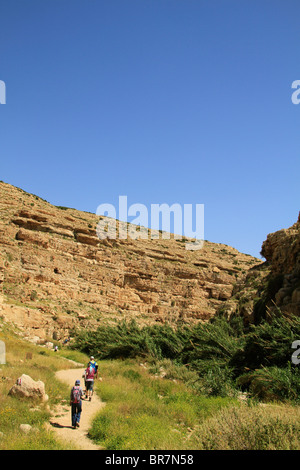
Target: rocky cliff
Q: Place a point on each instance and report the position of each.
(282, 251)
(271, 286)
(56, 274)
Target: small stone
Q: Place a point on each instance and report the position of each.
(25, 428)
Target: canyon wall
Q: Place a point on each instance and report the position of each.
(56, 274)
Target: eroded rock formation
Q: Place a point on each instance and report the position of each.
(273, 286)
(57, 274)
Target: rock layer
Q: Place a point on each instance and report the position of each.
(56, 274)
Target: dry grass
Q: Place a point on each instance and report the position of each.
(259, 427)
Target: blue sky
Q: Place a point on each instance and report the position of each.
(164, 101)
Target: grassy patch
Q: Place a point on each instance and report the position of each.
(40, 364)
(269, 427)
(143, 412)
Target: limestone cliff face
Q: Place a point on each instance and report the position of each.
(272, 285)
(56, 274)
(282, 251)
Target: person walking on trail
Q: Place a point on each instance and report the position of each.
(90, 375)
(94, 364)
(76, 404)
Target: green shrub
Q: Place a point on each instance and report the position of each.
(251, 428)
(218, 381)
(273, 383)
(218, 352)
(269, 344)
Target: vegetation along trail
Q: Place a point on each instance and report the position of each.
(62, 422)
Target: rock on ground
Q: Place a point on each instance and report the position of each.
(29, 388)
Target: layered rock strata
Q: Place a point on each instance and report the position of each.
(56, 274)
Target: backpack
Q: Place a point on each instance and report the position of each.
(90, 372)
(76, 394)
(92, 364)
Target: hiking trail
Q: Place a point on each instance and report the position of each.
(61, 420)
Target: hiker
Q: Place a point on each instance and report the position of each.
(94, 364)
(90, 375)
(76, 404)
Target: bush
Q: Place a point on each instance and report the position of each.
(218, 381)
(255, 428)
(273, 383)
(127, 340)
(268, 344)
(222, 354)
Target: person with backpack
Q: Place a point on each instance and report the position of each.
(94, 364)
(76, 404)
(90, 375)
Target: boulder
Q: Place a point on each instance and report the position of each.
(29, 388)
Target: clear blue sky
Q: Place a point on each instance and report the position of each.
(165, 101)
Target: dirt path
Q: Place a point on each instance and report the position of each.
(61, 422)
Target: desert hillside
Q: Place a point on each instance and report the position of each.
(56, 274)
